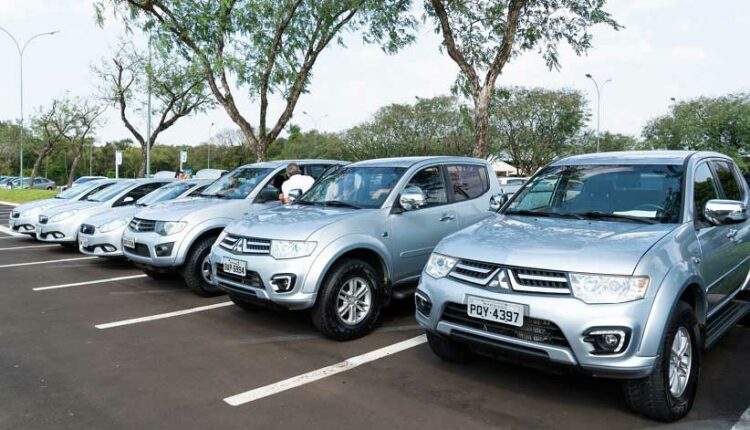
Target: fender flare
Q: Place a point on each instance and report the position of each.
(187, 241)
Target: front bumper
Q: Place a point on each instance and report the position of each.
(257, 284)
(65, 231)
(144, 252)
(573, 318)
(23, 224)
(101, 244)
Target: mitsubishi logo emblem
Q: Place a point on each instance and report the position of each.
(503, 280)
(238, 245)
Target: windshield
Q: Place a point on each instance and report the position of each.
(238, 184)
(167, 192)
(74, 192)
(640, 193)
(109, 192)
(364, 187)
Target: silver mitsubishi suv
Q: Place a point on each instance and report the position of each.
(357, 238)
(622, 265)
(176, 236)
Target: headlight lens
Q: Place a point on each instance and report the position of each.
(166, 228)
(291, 248)
(439, 265)
(608, 289)
(64, 215)
(113, 225)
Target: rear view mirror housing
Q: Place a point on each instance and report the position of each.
(268, 194)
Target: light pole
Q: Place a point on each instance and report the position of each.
(599, 90)
(148, 116)
(21, 50)
(315, 122)
(209, 145)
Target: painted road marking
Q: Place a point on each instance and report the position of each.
(45, 262)
(162, 316)
(98, 281)
(28, 247)
(10, 232)
(315, 375)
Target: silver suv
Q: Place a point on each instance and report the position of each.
(357, 238)
(623, 265)
(177, 236)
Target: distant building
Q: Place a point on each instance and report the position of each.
(502, 168)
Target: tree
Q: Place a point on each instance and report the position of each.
(607, 142)
(534, 125)
(269, 47)
(51, 126)
(85, 115)
(719, 124)
(178, 90)
(481, 36)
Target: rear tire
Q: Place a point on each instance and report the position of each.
(159, 276)
(450, 350)
(653, 396)
(193, 272)
(349, 301)
(245, 304)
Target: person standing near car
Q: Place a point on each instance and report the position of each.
(295, 181)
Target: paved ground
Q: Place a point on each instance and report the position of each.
(57, 370)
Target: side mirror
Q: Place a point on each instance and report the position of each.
(498, 201)
(721, 212)
(294, 195)
(127, 200)
(268, 194)
(412, 198)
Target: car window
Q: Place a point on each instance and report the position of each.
(468, 181)
(238, 184)
(138, 192)
(315, 170)
(430, 180)
(728, 180)
(197, 191)
(361, 186)
(704, 189)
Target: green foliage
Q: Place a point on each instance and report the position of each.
(23, 196)
(608, 142)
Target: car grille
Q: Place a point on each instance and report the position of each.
(87, 229)
(533, 329)
(15, 214)
(251, 279)
(142, 225)
(494, 276)
(140, 249)
(43, 219)
(246, 245)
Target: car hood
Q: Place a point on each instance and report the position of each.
(289, 222)
(40, 205)
(82, 205)
(176, 210)
(556, 244)
(111, 215)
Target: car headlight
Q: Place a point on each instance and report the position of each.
(608, 289)
(439, 265)
(113, 225)
(167, 228)
(291, 248)
(64, 215)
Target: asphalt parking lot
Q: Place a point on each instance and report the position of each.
(86, 343)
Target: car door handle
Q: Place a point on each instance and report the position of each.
(447, 217)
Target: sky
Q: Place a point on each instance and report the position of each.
(668, 48)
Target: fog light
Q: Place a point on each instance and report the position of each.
(607, 340)
(424, 305)
(163, 250)
(283, 283)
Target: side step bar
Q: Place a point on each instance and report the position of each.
(722, 322)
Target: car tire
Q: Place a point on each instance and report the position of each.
(450, 350)
(348, 276)
(245, 304)
(652, 396)
(158, 276)
(192, 271)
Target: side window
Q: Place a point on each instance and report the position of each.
(38, 180)
(197, 191)
(728, 180)
(138, 192)
(315, 170)
(704, 189)
(468, 181)
(430, 181)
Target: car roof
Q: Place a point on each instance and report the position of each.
(411, 161)
(278, 163)
(635, 157)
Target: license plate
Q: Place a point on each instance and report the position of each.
(234, 266)
(83, 242)
(128, 242)
(493, 310)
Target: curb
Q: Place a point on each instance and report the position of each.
(9, 204)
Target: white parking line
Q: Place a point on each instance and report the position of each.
(98, 281)
(28, 247)
(315, 375)
(744, 422)
(10, 232)
(162, 316)
(62, 260)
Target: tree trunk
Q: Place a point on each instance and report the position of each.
(73, 168)
(482, 121)
(142, 168)
(37, 164)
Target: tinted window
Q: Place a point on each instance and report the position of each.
(365, 187)
(705, 189)
(468, 181)
(430, 181)
(315, 170)
(138, 192)
(167, 192)
(728, 180)
(238, 184)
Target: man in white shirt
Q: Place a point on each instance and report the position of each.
(296, 181)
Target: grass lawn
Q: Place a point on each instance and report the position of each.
(23, 196)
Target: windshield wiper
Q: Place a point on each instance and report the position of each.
(526, 212)
(605, 215)
(339, 203)
(215, 196)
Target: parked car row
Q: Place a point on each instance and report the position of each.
(620, 265)
(12, 182)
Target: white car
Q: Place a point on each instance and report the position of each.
(510, 185)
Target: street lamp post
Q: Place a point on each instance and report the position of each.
(599, 90)
(148, 117)
(209, 145)
(21, 50)
(315, 122)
